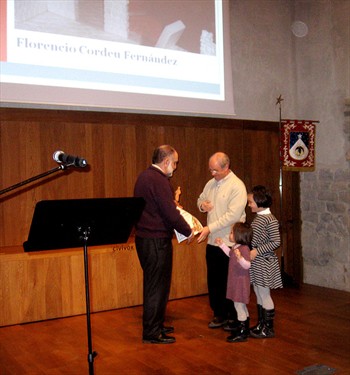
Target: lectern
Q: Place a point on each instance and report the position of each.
(61, 224)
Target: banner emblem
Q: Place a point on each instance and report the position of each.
(298, 145)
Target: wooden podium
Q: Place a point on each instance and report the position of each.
(50, 284)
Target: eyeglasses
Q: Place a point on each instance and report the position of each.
(213, 171)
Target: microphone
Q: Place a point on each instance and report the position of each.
(63, 158)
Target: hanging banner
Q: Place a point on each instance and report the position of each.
(298, 145)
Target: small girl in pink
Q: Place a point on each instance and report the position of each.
(238, 280)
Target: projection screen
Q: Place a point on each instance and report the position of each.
(151, 56)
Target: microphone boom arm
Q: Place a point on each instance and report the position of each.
(34, 178)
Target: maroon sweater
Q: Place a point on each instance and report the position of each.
(160, 216)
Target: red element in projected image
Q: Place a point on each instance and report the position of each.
(3, 31)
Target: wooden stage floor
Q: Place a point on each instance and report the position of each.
(312, 333)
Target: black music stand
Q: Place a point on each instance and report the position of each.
(61, 224)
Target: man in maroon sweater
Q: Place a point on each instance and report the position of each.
(154, 233)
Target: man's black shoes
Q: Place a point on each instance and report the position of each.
(161, 339)
(217, 322)
(167, 329)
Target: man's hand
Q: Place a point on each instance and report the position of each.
(218, 241)
(206, 206)
(203, 234)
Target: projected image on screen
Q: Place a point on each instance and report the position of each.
(172, 49)
(161, 24)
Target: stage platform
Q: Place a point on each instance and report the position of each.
(45, 285)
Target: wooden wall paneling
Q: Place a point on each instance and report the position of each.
(78, 182)
(113, 159)
(119, 146)
(187, 173)
(233, 145)
(129, 174)
(296, 228)
(195, 175)
(19, 143)
(261, 163)
(262, 167)
(192, 171)
(292, 228)
(143, 150)
(148, 137)
(72, 182)
(100, 154)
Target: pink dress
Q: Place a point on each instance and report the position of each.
(238, 280)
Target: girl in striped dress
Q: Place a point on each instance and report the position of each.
(265, 272)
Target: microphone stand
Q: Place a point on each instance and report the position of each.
(92, 354)
(34, 178)
(86, 232)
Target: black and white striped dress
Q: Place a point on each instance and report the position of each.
(265, 269)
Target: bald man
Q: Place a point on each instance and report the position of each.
(224, 199)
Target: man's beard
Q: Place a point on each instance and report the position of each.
(169, 171)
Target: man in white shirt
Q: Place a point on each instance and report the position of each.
(224, 198)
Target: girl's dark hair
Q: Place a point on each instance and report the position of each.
(162, 152)
(243, 233)
(262, 196)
